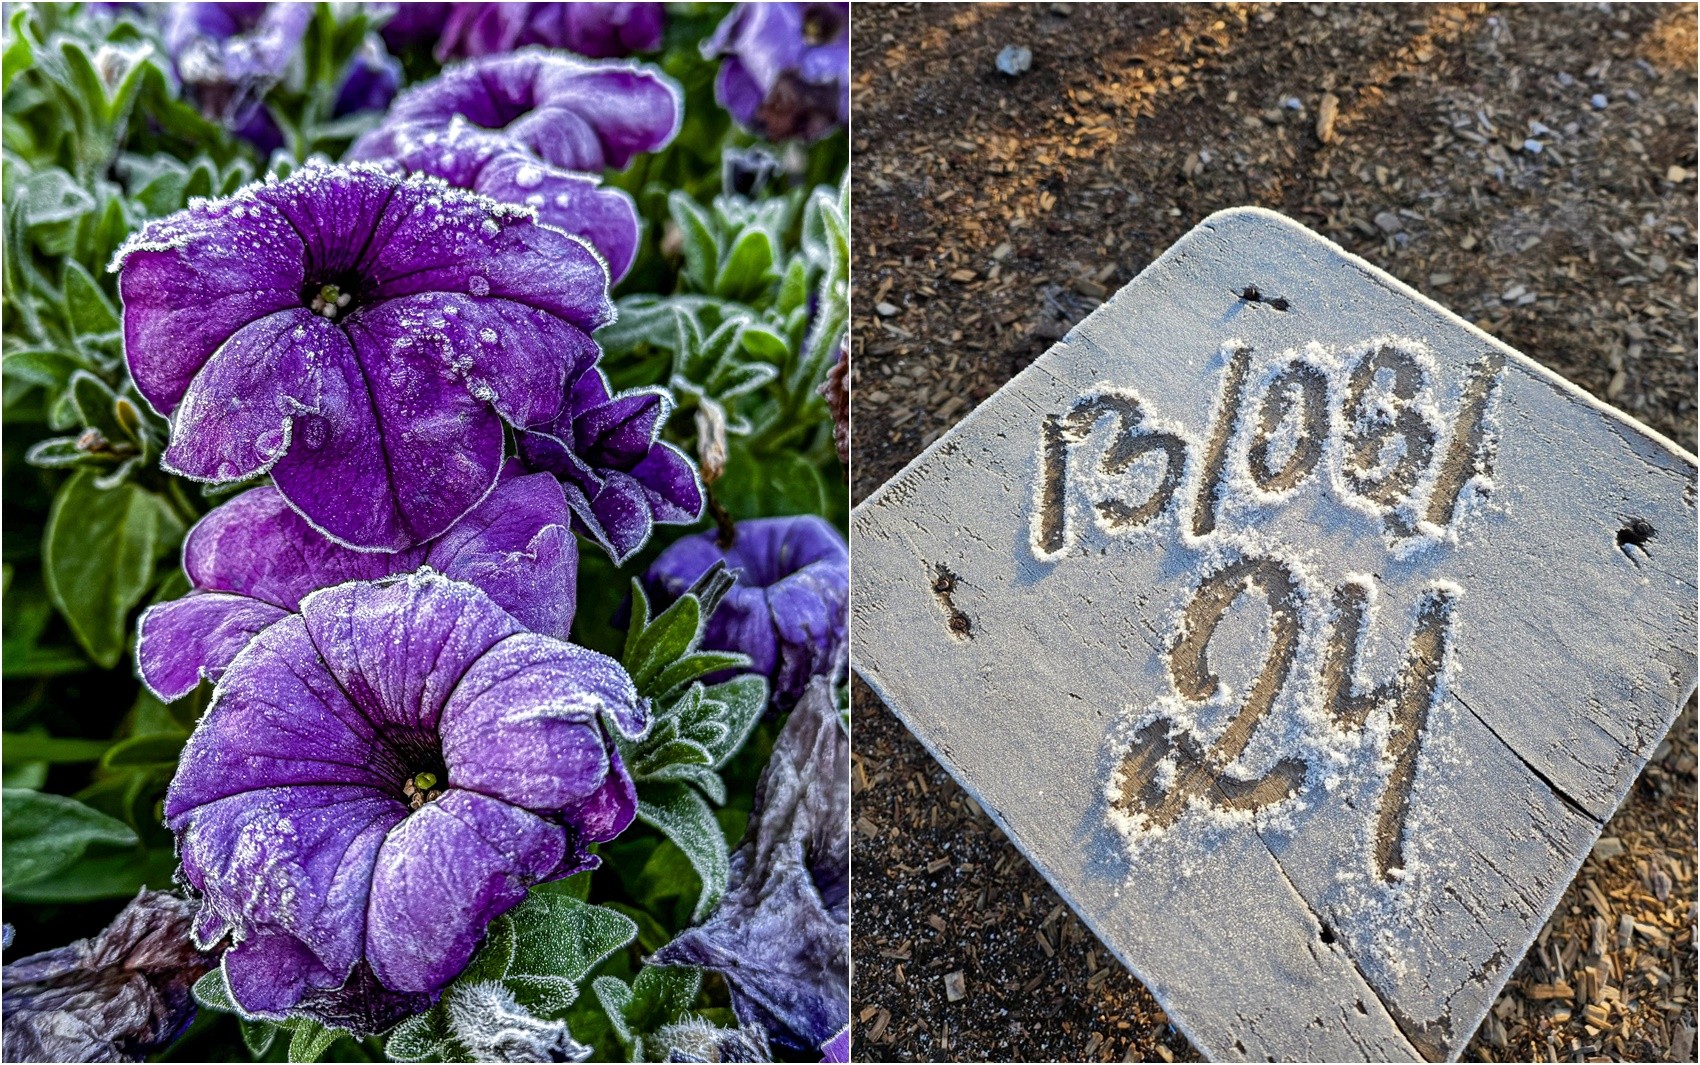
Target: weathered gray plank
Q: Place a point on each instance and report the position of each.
(1338, 876)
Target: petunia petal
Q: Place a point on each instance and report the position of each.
(620, 517)
(238, 414)
(179, 642)
(399, 649)
(579, 204)
(609, 811)
(518, 547)
(191, 281)
(282, 720)
(618, 433)
(523, 724)
(290, 864)
(675, 489)
(444, 874)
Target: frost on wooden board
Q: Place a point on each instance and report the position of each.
(1295, 633)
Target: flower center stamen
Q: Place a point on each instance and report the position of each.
(329, 300)
(420, 789)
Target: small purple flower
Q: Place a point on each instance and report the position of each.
(379, 777)
(253, 560)
(469, 157)
(372, 80)
(787, 68)
(781, 934)
(119, 996)
(600, 31)
(570, 113)
(360, 336)
(230, 55)
(788, 611)
(619, 476)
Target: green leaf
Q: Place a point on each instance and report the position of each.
(782, 482)
(661, 642)
(559, 936)
(422, 1037)
(57, 453)
(160, 748)
(99, 554)
(685, 818)
(659, 996)
(310, 1041)
(89, 309)
(701, 248)
(257, 1036)
(728, 712)
(692, 666)
(748, 269)
(19, 747)
(213, 992)
(44, 834)
(52, 195)
(102, 874)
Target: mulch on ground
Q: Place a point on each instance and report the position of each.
(1532, 168)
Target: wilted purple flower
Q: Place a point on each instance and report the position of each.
(372, 80)
(379, 777)
(600, 31)
(788, 609)
(362, 337)
(469, 157)
(787, 68)
(253, 560)
(119, 996)
(619, 476)
(570, 113)
(781, 934)
(230, 55)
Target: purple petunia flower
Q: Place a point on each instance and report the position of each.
(362, 337)
(787, 68)
(472, 158)
(379, 777)
(600, 31)
(781, 934)
(118, 996)
(230, 55)
(570, 113)
(788, 611)
(619, 476)
(372, 81)
(253, 560)
(838, 1047)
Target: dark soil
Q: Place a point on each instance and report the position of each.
(991, 213)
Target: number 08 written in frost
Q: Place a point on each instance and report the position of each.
(1302, 635)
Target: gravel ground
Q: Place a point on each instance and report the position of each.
(1532, 168)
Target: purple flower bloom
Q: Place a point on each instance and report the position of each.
(469, 157)
(838, 1047)
(620, 478)
(600, 31)
(230, 55)
(787, 68)
(119, 996)
(253, 560)
(781, 935)
(570, 113)
(379, 777)
(360, 336)
(372, 79)
(788, 609)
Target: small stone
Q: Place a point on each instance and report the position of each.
(1327, 113)
(1598, 100)
(1439, 280)
(1292, 103)
(1512, 294)
(1676, 173)
(1566, 79)
(1090, 288)
(1607, 848)
(1014, 60)
(1388, 222)
(955, 986)
(1533, 146)
(1658, 265)
(885, 310)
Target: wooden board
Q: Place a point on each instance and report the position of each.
(1302, 635)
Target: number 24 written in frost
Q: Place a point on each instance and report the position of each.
(1389, 461)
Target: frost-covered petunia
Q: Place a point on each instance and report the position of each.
(372, 80)
(781, 934)
(571, 113)
(620, 477)
(788, 611)
(379, 777)
(598, 30)
(487, 162)
(787, 68)
(361, 336)
(252, 561)
(230, 54)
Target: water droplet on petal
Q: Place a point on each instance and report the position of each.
(313, 431)
(478, 285)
